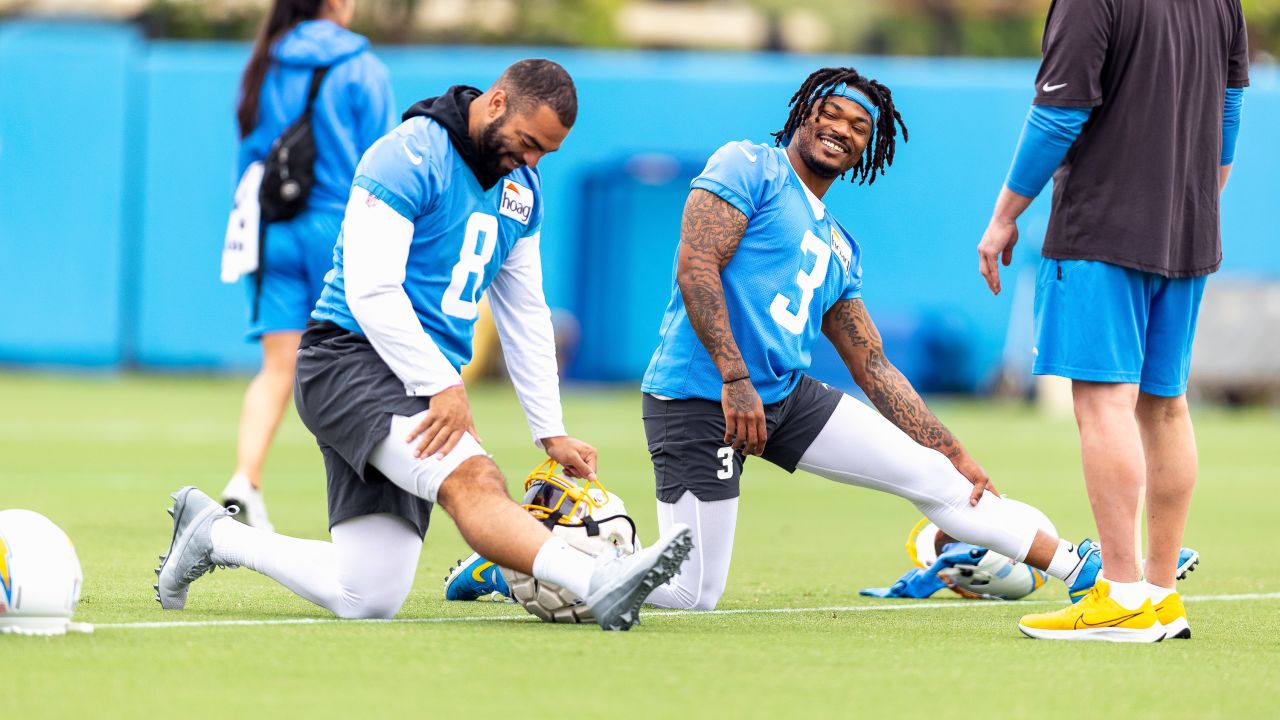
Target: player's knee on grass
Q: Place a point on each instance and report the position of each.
(709, 596)
(381, 603)
(693, 596)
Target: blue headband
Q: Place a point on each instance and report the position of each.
(843, 90)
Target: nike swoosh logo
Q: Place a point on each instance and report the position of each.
(1111, 622)
(1050, 88)
(750, 157)
(415, 159)
(476, 573)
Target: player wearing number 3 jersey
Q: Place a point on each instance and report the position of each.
(443, 208)
(762, 268)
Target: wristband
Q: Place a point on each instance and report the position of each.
(744, 377)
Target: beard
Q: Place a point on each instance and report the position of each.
(807, 137)
(491, 148)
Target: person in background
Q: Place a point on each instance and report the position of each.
(1135, 116)
(353, 109)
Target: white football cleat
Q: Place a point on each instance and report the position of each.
(619, 585)
(253, 509)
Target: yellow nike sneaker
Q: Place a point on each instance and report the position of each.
(1096, 617)
(1173, 616)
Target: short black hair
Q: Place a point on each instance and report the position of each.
(819, 85)
(537, 81)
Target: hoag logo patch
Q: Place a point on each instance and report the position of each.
(517, 201)
(840, 248)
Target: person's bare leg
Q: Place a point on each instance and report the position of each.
(264, 403)
(1114, 469)
(1169, 442)
(475, 496)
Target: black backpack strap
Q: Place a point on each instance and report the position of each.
(317, 76)
(262, 268)
(313, 90)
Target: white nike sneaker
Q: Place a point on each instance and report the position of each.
(619, 585)
(253, 509)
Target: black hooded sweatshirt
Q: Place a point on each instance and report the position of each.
(451, 111)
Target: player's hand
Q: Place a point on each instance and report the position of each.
(974, 473)
(576, 457)
(997, 242)
(448, 417)
(744, 428)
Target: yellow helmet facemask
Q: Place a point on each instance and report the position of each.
(553, 498)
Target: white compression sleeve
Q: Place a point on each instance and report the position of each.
(366, 572)
(523, 320)
(860, 447)
(702, 579)
(375, 250)
(422, 477)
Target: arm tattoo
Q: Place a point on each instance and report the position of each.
(850, 329)
(709, 235)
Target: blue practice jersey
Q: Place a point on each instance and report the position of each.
(794, 262)
(461, 232)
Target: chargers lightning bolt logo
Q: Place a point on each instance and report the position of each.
(6, 582)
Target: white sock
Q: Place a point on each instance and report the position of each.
(1129, 595)
(1158, 594)
(366, 571)
(559, 562)
(307, 567)
(1066, 564)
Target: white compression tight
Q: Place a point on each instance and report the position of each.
(368, 569)
(366, 572)
(856, 447)
(703, 576)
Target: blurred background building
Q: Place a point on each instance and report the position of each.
(117, 166)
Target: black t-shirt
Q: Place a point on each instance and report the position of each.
(1139, 187)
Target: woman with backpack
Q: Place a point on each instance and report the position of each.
(304, 59)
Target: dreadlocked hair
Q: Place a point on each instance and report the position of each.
(819, 86)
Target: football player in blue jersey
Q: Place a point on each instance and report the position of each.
(762, 268)
(444, 208)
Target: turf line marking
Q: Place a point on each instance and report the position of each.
(953, 605)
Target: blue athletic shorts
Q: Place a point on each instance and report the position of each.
(1105, 323)
(299, 252)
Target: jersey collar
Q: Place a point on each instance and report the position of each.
(815, 205)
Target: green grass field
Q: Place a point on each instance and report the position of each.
(100, 455)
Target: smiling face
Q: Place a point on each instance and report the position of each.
(512, 139)
(831, 140)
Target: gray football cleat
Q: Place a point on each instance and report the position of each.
(619, 585)
(190, 551)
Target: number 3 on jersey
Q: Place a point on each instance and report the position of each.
(808, 282)
(478, 242)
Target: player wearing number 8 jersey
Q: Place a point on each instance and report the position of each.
(762, 268)
(446, 206)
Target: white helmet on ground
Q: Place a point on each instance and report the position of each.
(40, 575)
(589, 518)
(994, 577)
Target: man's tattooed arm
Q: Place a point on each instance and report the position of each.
(709, 236)
(855, 337)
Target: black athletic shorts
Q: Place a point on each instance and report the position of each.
(346, 396)
(686, 439)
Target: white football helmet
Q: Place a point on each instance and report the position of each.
(994, 577)
(40, 575)
(589, 518)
